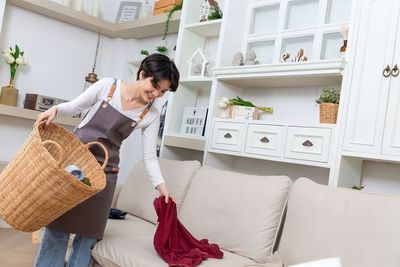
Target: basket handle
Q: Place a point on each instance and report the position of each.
(104, 149)
(60, 150)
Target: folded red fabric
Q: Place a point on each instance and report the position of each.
(174, 243)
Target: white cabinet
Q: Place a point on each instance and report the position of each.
(391, 137)
(266, 140)
(284, 143)
(372, 125)
(308, 144)
(229, 136)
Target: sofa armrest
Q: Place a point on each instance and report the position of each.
(117, 191)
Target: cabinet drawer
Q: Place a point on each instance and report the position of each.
(265, 140)
(308, 143)
(228, 136)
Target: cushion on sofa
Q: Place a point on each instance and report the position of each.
(239, 212)
(137, 193)
(362, 229)
(129, 243)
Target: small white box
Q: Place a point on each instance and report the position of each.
(243, 112)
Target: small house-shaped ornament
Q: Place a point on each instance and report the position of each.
(205, 9)
(199, 64)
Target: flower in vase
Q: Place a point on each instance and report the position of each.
(14, 57)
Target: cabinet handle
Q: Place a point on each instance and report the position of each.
(228, 135)
(395, 71)
(386, 71)
(264, 140)
(307, 143)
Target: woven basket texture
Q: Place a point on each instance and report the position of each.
(35, 189)
(328, 112)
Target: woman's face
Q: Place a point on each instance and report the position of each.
(150, 92)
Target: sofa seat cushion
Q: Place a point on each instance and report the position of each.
(129, 243)
(137, 193)
(362, 229)
(241, 213)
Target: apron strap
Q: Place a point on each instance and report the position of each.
(141, 116)
(112, 90)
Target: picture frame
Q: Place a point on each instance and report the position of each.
(128, 11)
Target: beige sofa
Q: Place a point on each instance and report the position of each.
(244, 214)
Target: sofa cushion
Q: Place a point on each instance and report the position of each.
(137, 193)
(241, 213)
(129, 243)
(362, 229)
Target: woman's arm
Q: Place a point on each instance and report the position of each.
(77, 105)
(149, 140)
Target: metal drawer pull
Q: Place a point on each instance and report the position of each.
(228, 135)
(307, 143)
(264, 140)
(386, 71)
(395, 71)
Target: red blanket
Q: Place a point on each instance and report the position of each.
(174, 243)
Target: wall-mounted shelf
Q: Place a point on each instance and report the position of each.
(206, 29)
(319, 73)
(198, 83)
(185, 141)
(140, 28)
(32, 115)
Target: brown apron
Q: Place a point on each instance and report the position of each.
(110, 127)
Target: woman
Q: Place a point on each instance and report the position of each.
(116, 109)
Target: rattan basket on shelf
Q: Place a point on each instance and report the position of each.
(35, 189)
(328, 112)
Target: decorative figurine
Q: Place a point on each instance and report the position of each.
(285, 56)
(237, 59)
(250, 58)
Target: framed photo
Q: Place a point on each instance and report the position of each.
(128, 11)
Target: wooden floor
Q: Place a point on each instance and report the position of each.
(16, 248)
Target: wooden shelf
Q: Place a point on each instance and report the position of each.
(207, 29)
(320, 73)
(32, 115)
(185, 141)
(140, 28)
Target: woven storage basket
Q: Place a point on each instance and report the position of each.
(35, 189)
(328, 112)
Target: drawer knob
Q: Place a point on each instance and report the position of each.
(395, 71)
(307, 143)
(228, 135)
(386, 71)
(264, 140)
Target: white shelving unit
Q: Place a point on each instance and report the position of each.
(291, 141)
(140, 28)
(192, 92)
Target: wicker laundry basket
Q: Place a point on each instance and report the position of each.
(35, 189)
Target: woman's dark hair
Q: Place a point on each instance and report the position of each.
(160, 67)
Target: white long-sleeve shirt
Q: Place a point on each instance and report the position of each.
(93, 97)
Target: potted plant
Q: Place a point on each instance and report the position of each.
(328, 105)
(14, 57)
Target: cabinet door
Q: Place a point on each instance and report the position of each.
(368, 87)
(391, 137)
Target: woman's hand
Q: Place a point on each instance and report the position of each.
(47, 116)
(162, 188)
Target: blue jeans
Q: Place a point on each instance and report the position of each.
(54, 247)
